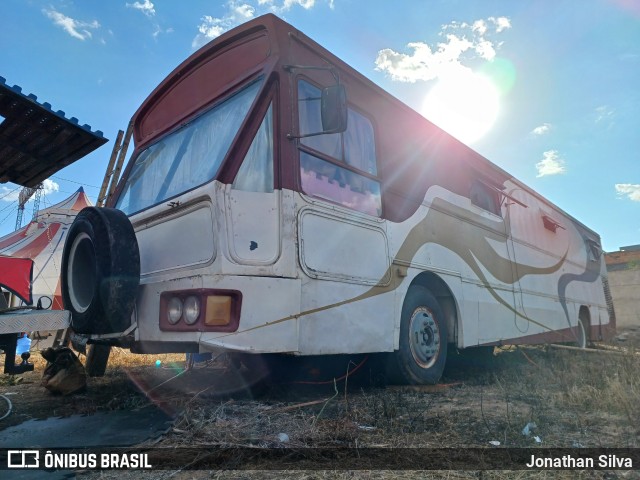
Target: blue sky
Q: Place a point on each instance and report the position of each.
(561, 113)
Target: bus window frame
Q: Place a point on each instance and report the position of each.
(268, 96)
(236, 142)
(340, 163)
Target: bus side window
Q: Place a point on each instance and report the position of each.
(484, 197)
(359, 145)
(256, 171)
(355, 147)
(339, 167)
(328, 181)
(594, 250)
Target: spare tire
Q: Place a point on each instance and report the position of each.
(100, 271)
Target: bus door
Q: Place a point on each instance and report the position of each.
(255, 211)
(497, 291)
(342, 238)
(512, 208)
(539, 245)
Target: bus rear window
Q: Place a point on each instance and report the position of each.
(186, 158)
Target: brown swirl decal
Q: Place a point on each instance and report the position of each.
(591, 274)
(468, 235)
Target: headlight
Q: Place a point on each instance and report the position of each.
(174, 310)
(191, 310)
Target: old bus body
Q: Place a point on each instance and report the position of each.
(259, 234)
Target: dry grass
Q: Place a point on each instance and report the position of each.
(574, 398)
(361, 475)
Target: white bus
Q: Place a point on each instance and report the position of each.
(278, 202)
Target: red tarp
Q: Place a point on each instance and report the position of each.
(16, 275)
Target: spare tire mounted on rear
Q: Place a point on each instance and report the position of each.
(100, 271)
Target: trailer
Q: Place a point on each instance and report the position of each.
(16, 279)
(278, 202)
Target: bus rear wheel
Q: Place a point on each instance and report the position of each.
(423, 340)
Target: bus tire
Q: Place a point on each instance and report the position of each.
(100, 271)
(582, 339)
(97, 359)
(423, 340)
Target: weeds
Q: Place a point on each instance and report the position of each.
(575, 399)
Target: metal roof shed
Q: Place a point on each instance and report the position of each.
(35, 141)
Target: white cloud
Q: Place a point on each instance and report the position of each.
(145, 7)
(238, 12)
(9, 194)
(630, 190)
(541, 129)
(12, 194)
(427, 62)
(157, 30)
(212, 27)
(288, 4)
(485, 50)
(76, 28)
(480, 27)
(551, 164)
(501, 23)
(604, 113)
(423, 63)
(49, 186)
(306, 4)
(148, 8)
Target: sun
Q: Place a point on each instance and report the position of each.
(464, 104)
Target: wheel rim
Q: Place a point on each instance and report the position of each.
(424, 337)
(81, 272)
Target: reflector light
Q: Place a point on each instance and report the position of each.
(218, 311)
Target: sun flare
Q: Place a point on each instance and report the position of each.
(464, 104)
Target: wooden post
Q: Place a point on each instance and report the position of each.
(591, 350)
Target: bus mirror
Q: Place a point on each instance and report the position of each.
(334, 109)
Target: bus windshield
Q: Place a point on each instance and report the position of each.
(187, 157)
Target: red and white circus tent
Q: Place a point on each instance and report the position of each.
(42, 240)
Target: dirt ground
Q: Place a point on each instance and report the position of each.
(575, 399)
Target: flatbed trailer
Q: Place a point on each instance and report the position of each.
(15, 277)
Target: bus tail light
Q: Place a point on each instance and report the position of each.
(218, 310)
(201, 310)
